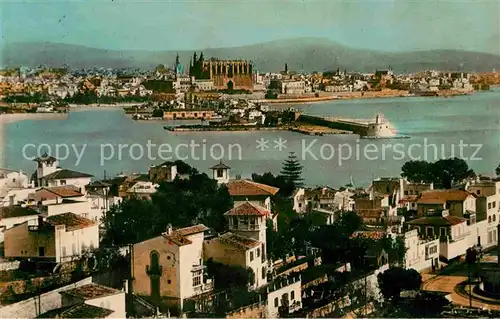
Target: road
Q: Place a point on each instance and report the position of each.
(447, 284)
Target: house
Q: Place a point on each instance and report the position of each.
(245, 243)
(487, 192)
(457, 201)
(56, 238)
(243, 191)
(374, 209)
(60, 199)
(421, 254)
(90, 301)
(142, 190)
(390, 188)
(170, 266)
(14, 215)
(11, 179)
(220, 172)
(16, 196)
(452, 231)
(165, 172)
(324, 198)
(100, 199)
(285, 294)
(48, 173)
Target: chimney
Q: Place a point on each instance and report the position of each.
(169, 229)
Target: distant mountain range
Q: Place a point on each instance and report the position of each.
(303, 54)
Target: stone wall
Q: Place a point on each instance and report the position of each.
(9, 265)
(256, 310)
(33, 307)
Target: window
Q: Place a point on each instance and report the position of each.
(258, 252)
(251, 255)
(197, 278)
(292, 295)
(169, 281)
(489, 205)
(430, 231)
(494, 217)
(220, 173)
(263, 272)
(442, 232)
(433, 250)
(489, 219)
(494, 204)
(63, 182)
(276, 303)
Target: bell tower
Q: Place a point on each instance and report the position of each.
(220, 173)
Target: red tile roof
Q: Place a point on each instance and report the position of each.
(66, 174)
(70, 220)
(64, 191)
(186, 231)
(241, 187)
(443, 196)
(239, 241)
(248, 209)
(438, 220)
(178, 236)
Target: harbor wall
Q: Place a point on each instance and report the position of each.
(360, 129)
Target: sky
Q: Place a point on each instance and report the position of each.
(390, 25)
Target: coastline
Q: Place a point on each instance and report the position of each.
(17, 117)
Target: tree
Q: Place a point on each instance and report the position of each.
(350, 222)
(497, 170)
(229, 276)
(443, 173)
(291, 170)
(180, 203)
(396, 279)
(286, 186)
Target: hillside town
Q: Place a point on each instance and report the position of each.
(215, 244)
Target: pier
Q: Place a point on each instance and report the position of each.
(354, 126)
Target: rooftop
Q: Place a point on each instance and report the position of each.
(16, 211)
(78, 311)
(220, 165)
(70, 220)
(91, 291)
(178, 236)
(45, 158)
(448, 220)
(443, 196)
(64, 191)
(239, 241)
(241, 187)
(247, 209)
(65, 174)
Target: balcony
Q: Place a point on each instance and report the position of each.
(154, 270)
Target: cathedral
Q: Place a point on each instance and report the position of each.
(225, 74)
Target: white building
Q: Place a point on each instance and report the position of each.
(293, 86)
(220, 172)
(11, 179)
(204, 85)
(452, 231)
(142, 190)
(90, 301)
(421, 254)
(48, 173)
(60, 238)
(284, 292)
